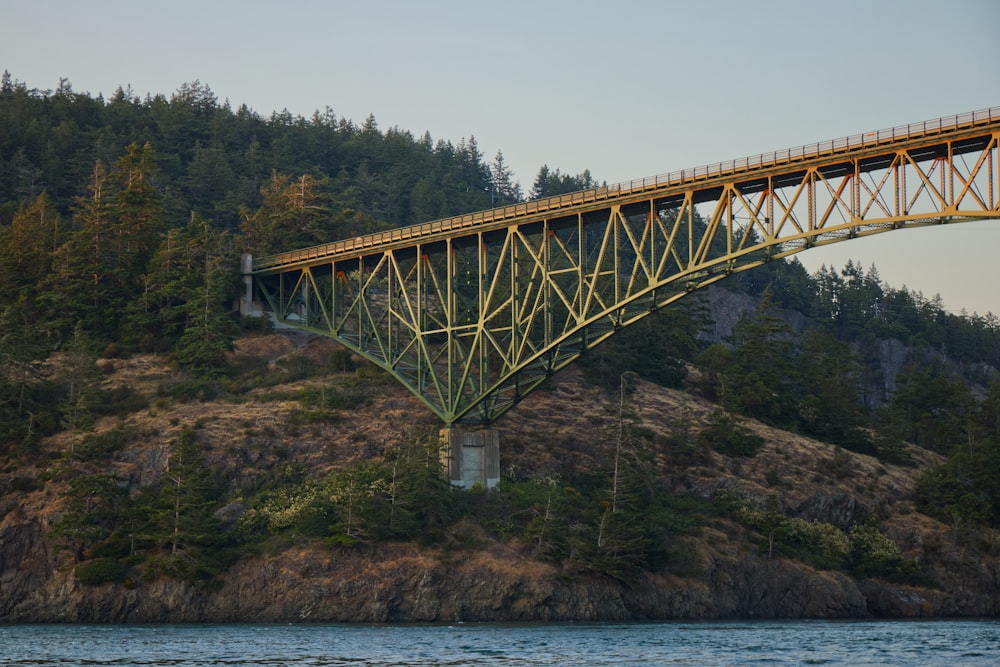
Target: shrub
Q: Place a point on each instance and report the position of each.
(875, 555)
(99, 445)
(726, 435)
(120, 401)
(100, 571)
(256, 324)
(189, 389)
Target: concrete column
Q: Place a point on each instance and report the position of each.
(470, 456)
(246, 268)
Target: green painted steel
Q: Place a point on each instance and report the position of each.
(472, 313)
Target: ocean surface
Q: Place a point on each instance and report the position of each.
(924, 643)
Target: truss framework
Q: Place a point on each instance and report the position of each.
(472, 317)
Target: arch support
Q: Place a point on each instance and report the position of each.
(473, 313)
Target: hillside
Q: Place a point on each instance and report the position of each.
(751, 535)
(161, 459)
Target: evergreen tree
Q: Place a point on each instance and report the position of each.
(208, 326)
(657, 348)
(180, 521)
(830, 407)
(27, 246)
(929, 409)
(26, 403)
(550, 183)
(80, 377)
(293, 213)
(98, 506)
(758, 381)
(79, 289)
(619, 536)
(503, 188)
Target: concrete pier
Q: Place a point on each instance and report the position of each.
(246, 269)
(471, 456)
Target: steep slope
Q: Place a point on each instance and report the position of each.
(733, 564)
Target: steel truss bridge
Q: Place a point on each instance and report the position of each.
(473, 312)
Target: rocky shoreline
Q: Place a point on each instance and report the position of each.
(401, 583)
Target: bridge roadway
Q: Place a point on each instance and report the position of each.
(473, 312)
(852, 147)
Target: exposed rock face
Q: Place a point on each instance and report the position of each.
(24, 562)
(401, 583)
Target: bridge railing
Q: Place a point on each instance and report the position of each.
(680, 177)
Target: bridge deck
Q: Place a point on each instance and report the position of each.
(845, 147)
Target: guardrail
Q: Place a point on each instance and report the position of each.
(681, 177)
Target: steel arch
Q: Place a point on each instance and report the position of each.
(472, 313)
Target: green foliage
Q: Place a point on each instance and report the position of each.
(875, 555)
(403, 496)
(100, 571)
(549, 183)
(964, 491)
(863, 551)
(830, 408)
(757, 383)
(726, 435)
(186, 389)
(79, 374)
(220, 163)
(29, 401)
(98, 504)
(655, 348)
(178, 522)
(821, 545)
(929, 409)
(98, 446)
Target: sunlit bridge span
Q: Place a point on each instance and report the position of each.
(473, 312)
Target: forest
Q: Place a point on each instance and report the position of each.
(121, 224)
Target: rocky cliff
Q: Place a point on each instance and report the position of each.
(477, 576)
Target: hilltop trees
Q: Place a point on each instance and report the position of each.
(97, 197)
(549, 183)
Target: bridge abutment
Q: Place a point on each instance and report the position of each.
(470, 456)
(246, 269)
(248, 307)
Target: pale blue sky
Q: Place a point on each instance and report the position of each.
(626, 89)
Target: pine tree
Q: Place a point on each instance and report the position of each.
(24, 401)
(503, 188)
(81, 378)
(98, 505)
(27, 246)
(757, 382)
(180, 520)
(79, 288)
(830, 407)
(618, 548)
(209, 329)
(550, 183)
(293, 213)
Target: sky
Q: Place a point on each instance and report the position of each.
(626, 89)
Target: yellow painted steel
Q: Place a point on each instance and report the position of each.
(473, 312)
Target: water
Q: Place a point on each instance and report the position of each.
(854, 643)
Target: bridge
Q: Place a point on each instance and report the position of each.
(473, 312)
